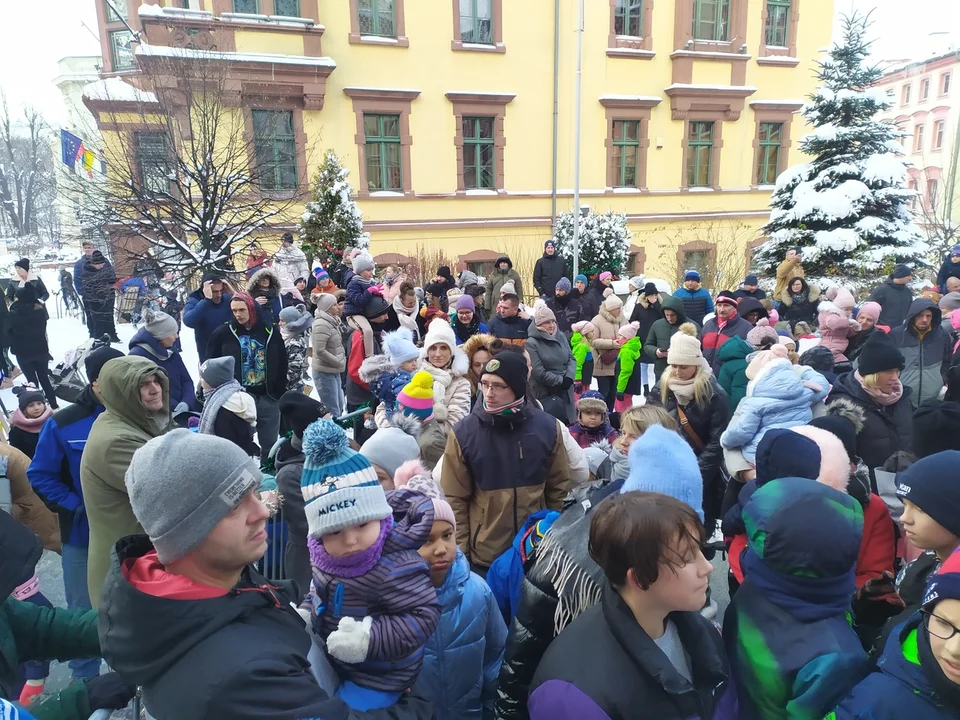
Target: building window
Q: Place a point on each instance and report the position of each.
(121, 50)
(153, 161)
(905, 95)
(476, 21)
(700, 154)
(628, 18)
(912, 185)
(924, 90)
(917, 138)
(711, 20)
(626, 152)
(376, 18)
(939, 127)
(286, 8)
(276, 149)
(117, 12)
(382, 151)
(478, 155)
(768, 153)
(945, 84)
(778, 22)
(246, 6)
(933, 190)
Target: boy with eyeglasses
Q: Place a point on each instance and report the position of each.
(918, 675)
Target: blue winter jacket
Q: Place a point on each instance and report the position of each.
(145, 345)
(776, 398)
(78, 270)
(54, 471)
(462, 658)
(205, 317)
(357, 297)
(697, 304)
(899, 688)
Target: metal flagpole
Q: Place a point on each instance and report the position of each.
(576, 149)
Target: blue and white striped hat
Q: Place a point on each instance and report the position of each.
(339, 485)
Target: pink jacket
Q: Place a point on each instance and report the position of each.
(836, 326)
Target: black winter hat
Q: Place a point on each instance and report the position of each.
(375, 308)
(842, 428)
(300, 410)
(879, 353)
(23, 263)
(95, 361)
(511, 367)
(819, 358)
(901, 271)
(936, 427)
(931, 484)
(783, 453)
(650, 289)
(27, 394)
(97, 258)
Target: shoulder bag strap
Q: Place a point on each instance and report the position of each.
(688, 429)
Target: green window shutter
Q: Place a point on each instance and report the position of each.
(382, 151)
(700, 154)
(626, 152)
(478, 153)
(275, 147)
(768, 153)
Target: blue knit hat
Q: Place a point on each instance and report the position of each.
(955, 250)
(691, 275)
(340, 487)
(399, 346)
(581, 278)
(783, 453)
(931, 484)
(662, 461)
(945, 585)
(563, 284)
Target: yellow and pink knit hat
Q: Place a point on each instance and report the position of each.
(416, 398)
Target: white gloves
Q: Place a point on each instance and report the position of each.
(350, 642)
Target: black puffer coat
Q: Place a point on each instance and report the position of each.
(569, 310)
(646, 314)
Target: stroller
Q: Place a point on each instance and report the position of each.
(69, 377)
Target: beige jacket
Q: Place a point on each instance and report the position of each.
(607, 326)
(28, 508)
(328, 352)
(786, 271)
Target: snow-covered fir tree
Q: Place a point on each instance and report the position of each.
(333, 222)
(847, 208)
(604, 241)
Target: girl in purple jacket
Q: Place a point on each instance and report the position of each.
(371, 598)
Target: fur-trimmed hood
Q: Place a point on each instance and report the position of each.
(375, 366)
(407, 424)
(834, 464)
(480, 341)
(830, 308)
(254, 281)
(846, 408)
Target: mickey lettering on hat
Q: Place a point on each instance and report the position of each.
(342, 505)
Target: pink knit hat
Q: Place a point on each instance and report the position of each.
(413, 476)
(629, 331)
(870, 309)
(583, 327)
(605, 274)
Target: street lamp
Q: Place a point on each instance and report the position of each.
(576, 148)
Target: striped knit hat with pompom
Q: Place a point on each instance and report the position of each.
(416, 398)
(340, 487)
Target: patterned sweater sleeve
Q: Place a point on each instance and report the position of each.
(411, 611)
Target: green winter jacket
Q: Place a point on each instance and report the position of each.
(496, 280)
(628, 357)
(580, 347)
(31, 632)
(123, 428)
(662, 331)
(733, 369)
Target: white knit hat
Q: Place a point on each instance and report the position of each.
(612, 303)
(439, 332)
(684, 350)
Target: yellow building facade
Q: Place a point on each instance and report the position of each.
(444, 113)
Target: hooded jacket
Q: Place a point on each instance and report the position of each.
(329, 355)
(170, 637)
(98, 285)
(948, 269)
(451, 387)
(512, 329)
(205, 316)
(646, 314)
(226, 341)
(894, 299)
(498, 278)
(741, 294)
(552, 362)
(607, 326)
(270, 312)
(497, 471)
(836, 326)
(749, 304)
(628, 369)
(123, 428)
(697, 303)
(662, 331)
(144, 345)
(732, 377)
(792, 651)
(26, 507)
(462, 658)
(593, 298)
(793, 309)
(547, 273)
(927, 358)
(713, 337)
(27, 322)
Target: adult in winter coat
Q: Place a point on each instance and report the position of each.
(207, 308)
(448, 364)
(154, 341)
(592, 297)
(502, 462)
(837, 327)
(894, 297)
(264, 287)
(289, 261)
(695, 298)
(749, 288)
(949, 268)
(329, 357)
(790, 268)
(25, 277)
(798, 302)
(465, 321)
(927, 350)
(606, 347)
(733, 369)
(228, 412)
(136, 397)
(749, 308)
(548, 270)
(644, 650)
(99, 296)
(658, 339)
(25, 505)
(647, 310)
(502, 274)
(567, 309)
(720, 328)
(27, 321)
(876, 388)
(553, 365)
(792, 651)
(867, 317)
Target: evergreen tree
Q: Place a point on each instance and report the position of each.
(604, 241)
(333, 222)
(847, 208)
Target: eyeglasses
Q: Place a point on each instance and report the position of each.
(938, 627)
(493, 387)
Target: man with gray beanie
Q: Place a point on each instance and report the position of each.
(186, 616)
(156, 341)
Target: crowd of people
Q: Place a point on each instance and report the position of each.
(520, 522)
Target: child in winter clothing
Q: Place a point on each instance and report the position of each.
(629, 382)
(359, 291)
(387, 374)
(295, 326)
(583, 333)
(471, 634)
(228, 411)
(837, 326)
(28, 419)
(371, 598)
(592, 420)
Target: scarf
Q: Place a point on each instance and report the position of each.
(805, 598)
(800, 298)
(212, 405)
(407, 317)
(465, 331)
(509, 410)
(353, 565)
(878, 396)
(683, 389)
(32, 425)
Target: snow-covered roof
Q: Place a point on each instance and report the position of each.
(172, 52)
(113, 88)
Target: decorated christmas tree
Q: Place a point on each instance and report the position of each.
(333, 222)
(604, 241)
(847, 208)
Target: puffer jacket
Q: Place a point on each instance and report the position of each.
(497, 279)
(547, 273)
(270, 312)
(779, 397)
(144, 345)
(26, 507)
(714, 337)
(697, 303)
(552, 362)
(926, 359)
(451, 389)
(462, 658)
(894, 299)
(660, 333)
(607, 326)
(646, 314)
(327, 339)
(836, 325)
(733, 369)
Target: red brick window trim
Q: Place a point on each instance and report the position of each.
(398, 39)
(772, 112)
(626, 44)
(630, 109)
(736, 33)
(497, 46)
(383, 102)
(481, 105)
(294, 106)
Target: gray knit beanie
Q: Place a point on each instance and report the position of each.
(390, 447)
(362, 262)
(182, 484)
(159, 324)
(290, 314)
(218, 371)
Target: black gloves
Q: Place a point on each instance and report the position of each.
(620, 396)
(109, 692)
(567, 383)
